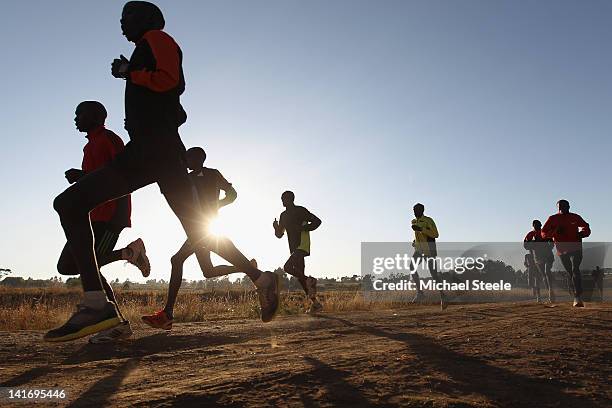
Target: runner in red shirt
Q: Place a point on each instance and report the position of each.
(154, 83)
(107, 219)
(540, 249)
(567, 229)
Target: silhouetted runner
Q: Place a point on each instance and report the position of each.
(154, 154)
(598, 277)
(297, 221)
(207, 186)
(425, 234)
(533, 275)
(107, 219)
(567, 230)
(540, 249)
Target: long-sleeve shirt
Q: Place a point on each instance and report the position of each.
(154, 84)
(539, 246)
(567, 231)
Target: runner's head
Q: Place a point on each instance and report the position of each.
(563, 206)
(89, 115)
(138, 17)
(195, 158)
(537, 225)
(419, 210)
(287, 198)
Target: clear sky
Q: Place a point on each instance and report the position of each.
(488, 112)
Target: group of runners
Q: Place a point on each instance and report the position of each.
(563, 231)
(96, 206)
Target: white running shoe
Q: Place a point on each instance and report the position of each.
(139, 257)
(120, 332)
(578, 302)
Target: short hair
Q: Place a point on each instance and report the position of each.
(534, 222)
(150, 11)
(197, 150)
(562, 201)
(419, 205)
(289, 195)
(97, 108)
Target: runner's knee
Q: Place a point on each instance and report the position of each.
(66, 268)
(207, 272)
(61, 202)
(67, 204)
(177, 260)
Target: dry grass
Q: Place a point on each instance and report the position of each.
(37, 309)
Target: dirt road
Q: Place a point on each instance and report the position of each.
(510, 355)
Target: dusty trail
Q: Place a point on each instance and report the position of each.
(510, 355)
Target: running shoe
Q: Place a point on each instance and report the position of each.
(85, 321)
(268, 292)
(311, 287)
(578, 302)
(158, 320)
(139, 257)
(120, 332)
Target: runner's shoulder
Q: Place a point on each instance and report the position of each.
(114, 138)
(303, 211)
(157, 36)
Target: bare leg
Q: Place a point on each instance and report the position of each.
(571, 263)
(182, 204)
(176, 277)
(295, 266)
(66, 265)
(415, 276)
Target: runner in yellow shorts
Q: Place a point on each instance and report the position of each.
(425, 234)
(298, 222)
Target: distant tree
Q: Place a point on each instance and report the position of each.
(4, 272)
